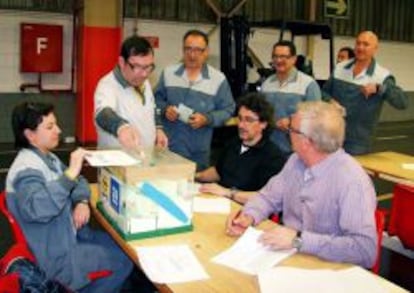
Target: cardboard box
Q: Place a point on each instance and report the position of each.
(152, 198)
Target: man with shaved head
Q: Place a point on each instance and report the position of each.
(361, 86)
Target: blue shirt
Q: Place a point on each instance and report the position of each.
(40, 197)
(284, 96)
(209, 95)
(362, 114)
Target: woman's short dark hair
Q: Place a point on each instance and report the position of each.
(28, 115)
(136, 46)
(257, 103)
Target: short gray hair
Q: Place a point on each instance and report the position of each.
(323, 123)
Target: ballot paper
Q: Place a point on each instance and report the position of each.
(295, 280)
(211, 205)
(103, 158)
(170, 264)
(407, 166)
(249, 256)
(194, 188)
(184, 112)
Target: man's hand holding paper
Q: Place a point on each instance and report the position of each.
(184, 113)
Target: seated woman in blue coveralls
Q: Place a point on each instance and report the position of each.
(50, 202)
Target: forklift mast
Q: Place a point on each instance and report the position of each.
(234, 37)
(233, 44)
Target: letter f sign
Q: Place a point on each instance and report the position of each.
(41, 44)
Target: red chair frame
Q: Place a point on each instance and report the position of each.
(21, 249)
(17, 232)
(401, 221)
(380, 223)
(10, 283)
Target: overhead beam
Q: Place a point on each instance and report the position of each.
(236, 8)
(215, 9)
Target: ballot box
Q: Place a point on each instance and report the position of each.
(151, 198)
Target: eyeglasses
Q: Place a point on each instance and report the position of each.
(196, 50)
(281, 57)
(290, 129)
(248, 119)
(140, 68)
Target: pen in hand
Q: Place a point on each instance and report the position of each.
(234, 221)
(238, 223)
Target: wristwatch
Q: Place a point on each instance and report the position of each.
(84, 201)
(297, 241)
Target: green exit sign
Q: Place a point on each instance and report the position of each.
(337, 8)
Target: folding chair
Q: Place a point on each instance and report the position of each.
(10, 283)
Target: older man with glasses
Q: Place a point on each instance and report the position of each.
(193, 98)
(327, 199)
(285, 89)
(248, 161)
(125, 112)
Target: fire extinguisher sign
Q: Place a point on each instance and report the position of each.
(41, 47)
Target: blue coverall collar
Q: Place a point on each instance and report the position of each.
(120, 78)
(204, 71)
(370, 69)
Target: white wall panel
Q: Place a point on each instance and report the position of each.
(398, 57)
(12, 78)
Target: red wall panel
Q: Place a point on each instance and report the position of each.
(98, 51)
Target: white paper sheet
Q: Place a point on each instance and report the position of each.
(359, 280)
(407, 166)
(287, 279)
(292, 280)
(195, 188)
(170, 264)
(211, 205)
(249, 256)
(110, 158)
(184, 112)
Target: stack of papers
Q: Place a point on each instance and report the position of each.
(249, 256)
(170, 264)
(291, 280)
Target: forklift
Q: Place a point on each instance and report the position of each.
(236, 55)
